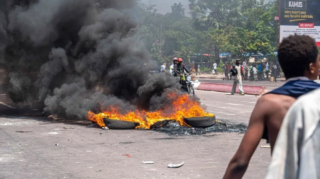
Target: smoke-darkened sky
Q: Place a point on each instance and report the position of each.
(164, 6)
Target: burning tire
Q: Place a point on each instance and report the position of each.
(201, 122)
(117, 124)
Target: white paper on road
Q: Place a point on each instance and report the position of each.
(147, 162)
(171, 165)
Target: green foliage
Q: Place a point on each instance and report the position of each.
(221, 65)
(236, 26)
(220, 70)
(205, 70)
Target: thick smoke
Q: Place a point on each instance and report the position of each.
(73, 56)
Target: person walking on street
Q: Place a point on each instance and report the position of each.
(246, 70)
(229, 68)
(199, 72)
(275, 71)
(226, 71)
(237, 74)
(163, 68)
(215, 68)
(251, 78)
(260, 72)
(267, 70)
(255, 73)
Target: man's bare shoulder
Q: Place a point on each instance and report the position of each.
(270, 102)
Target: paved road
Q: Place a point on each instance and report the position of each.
(269, 85)
(234, 108)
(35, 148)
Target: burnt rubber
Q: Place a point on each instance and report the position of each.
(200, 122)
(161, 124)
(122, 125)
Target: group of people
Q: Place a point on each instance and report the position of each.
(178, 68)
(255, 72)
(287, 117)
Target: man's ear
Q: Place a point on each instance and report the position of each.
(312, 68)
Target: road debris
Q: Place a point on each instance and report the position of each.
(171, 165)
(23, 131)
(128, 155)
(6, 124)
(265, 146)
(105, 128)
(147, 162)
(55, 118)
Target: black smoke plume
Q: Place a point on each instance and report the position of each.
(73, 56)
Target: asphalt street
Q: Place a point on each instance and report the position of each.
(269, 85)
(37, 148)
(227, 107)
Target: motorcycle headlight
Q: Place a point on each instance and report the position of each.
(189, 78)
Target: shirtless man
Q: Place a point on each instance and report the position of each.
(298, 57)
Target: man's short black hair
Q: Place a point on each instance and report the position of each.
(295, 53)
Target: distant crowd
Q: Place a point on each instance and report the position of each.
(260, 71)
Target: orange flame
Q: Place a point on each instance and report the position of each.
(182, 107)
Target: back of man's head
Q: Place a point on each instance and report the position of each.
(295, 54)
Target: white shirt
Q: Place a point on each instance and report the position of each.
(296, 153)
(171, 69)
(255, 71)
(163, 68)
(275, 67)
(267, 66)
(215, 66)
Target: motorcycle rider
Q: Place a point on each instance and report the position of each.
(179, 68)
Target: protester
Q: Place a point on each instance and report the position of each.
(226, 71)
(180, 68)
(198, 71)
(237, 74)
(163, 68)
(215, 68)
(275, 71)
(267, 69)
(296, 153)
(245, 67)
(174, 62)
(229, 67)
(260, 72)
(298, 57)
(255, 73)
(251, 78)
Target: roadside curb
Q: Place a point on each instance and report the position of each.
(250, 90)
(212, 78)
(223, 78)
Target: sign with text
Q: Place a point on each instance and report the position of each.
(300, 17)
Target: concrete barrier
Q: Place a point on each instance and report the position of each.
(252, 90)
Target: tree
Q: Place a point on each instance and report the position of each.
(218, 13)
(178, 10)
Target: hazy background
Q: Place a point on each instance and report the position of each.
(164, 6)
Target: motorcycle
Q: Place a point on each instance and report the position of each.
(187, 84)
